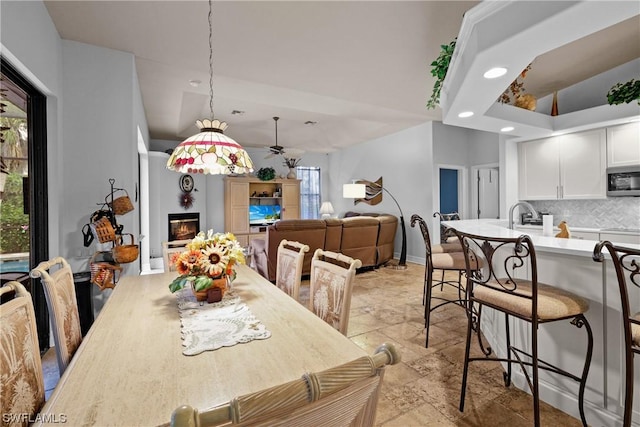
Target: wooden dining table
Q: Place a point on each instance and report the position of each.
(130, 370)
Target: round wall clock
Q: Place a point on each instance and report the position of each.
(186, 183)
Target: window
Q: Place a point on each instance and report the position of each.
(309, 192)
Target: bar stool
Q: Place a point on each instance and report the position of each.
(496, 284)
(627, 264)
(444, 257)
(445, 237)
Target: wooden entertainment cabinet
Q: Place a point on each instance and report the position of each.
(241, 192)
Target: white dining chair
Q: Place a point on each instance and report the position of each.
(345, 395)
(289, 267)
(57, 280)
(22, 389)
(332, 276)
(169, 249)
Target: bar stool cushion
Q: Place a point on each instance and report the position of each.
(553, 303)
(448, 261)
(444, 248)
(452, 261)
(635, 331)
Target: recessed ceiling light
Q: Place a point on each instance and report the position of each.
(507, 129)
(495, 73)
(465, 114)
(195, 83)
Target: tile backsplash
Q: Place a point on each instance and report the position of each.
(607, 213)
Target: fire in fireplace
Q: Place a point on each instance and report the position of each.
(183, 226)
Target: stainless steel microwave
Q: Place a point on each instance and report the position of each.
(623, 181)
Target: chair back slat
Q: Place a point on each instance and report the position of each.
(22, 389)
(60, 293)
(332, 276)
(289, 266)
(424, 230)
(169, 249)
(345, 395)
(626, 262)
(506, 265)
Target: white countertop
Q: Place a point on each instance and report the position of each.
(499, 228)
(583, 229)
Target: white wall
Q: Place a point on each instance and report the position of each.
(103, 111)
(30, 42)
(94, 111)
(100, 141)
(464, 148)
(209, 199)
(404, 160)
(164, 199)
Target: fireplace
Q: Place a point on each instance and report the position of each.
(183, 226)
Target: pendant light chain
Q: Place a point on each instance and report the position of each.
(210, 151)
(211, 58)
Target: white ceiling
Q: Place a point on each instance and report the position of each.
(359, 69)
(578, 48)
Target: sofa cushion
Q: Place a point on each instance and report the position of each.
(333, 236)
(310, 232)
(386, 238)
(359, 239)
(299, 224)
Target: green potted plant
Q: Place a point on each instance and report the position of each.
(439, 69)
(266, 174)
(624, 93)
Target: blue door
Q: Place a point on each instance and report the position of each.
(448, 191)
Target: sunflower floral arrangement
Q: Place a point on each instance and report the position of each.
(208, 257)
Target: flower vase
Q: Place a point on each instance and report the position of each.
(292, 173)
(220, 282)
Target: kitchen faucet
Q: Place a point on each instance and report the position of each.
(534, 214)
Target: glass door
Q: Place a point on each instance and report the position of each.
(24, 240)
(14, 179)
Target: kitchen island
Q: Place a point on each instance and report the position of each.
(568, 264)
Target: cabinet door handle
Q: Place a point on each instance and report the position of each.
(557, 192)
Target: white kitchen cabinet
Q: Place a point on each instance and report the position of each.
(571, 166)
(539, 169)
(623, 145)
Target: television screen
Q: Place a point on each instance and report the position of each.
(263, 214)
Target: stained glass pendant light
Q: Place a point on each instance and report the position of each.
(210, 151)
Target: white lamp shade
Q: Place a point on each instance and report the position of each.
(354, 191)
(210, 152)
(326, 208)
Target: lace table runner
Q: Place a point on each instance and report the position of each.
(222, 324)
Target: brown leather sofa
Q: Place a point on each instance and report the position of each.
(367, 238)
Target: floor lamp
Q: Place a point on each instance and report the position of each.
(359, 191)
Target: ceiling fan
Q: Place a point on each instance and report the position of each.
(275, 150)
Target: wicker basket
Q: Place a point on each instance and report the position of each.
(103, 230)
(125, 253)
(121, 205)
(104, 274)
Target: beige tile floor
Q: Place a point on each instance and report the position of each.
(424, 388)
